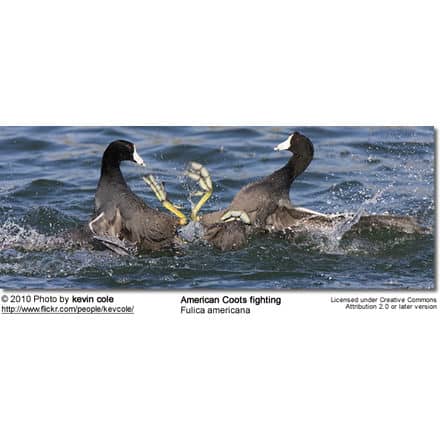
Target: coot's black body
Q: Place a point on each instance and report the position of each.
(261, 199)
(120, 213)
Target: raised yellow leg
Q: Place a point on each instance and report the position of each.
(199, 174)
(159, 191)
(198, 207)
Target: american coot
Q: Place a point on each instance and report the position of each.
(264, 197)
(253, 204)
(265, 206)
(120, 215)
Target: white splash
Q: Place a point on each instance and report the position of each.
(14, 236)
(191, 232)
(334, 235)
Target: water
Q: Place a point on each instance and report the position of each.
(48, 177)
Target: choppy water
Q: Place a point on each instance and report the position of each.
(48, 176)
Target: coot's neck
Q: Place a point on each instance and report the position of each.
(110, 169)
(298, 164)
(294, 167)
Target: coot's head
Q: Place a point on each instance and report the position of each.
(296, 143)
(121, 150)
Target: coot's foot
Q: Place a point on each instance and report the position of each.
(159, 191)
(199, 174)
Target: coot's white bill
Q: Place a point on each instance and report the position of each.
(284, 145)
(138, 159)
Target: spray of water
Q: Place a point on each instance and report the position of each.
(15, 236)
(334, 234)
(191, 232)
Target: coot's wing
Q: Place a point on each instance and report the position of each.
(258, 200)
(285, 218)
(117, 246)
(251, 199)
(395, 223)
(107, 222)
(106, 229)
(147, 226)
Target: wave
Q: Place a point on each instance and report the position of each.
(16, 236)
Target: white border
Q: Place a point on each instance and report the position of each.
(308, 371)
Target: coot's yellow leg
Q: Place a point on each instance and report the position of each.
(159, 191)
(198, 207)
(200, 174)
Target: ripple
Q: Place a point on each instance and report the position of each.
(26, 145)
(41, 188)
(227, 133)
(185, 153)
(47, 220)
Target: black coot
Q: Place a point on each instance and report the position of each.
(121, 214)
(260, 200)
